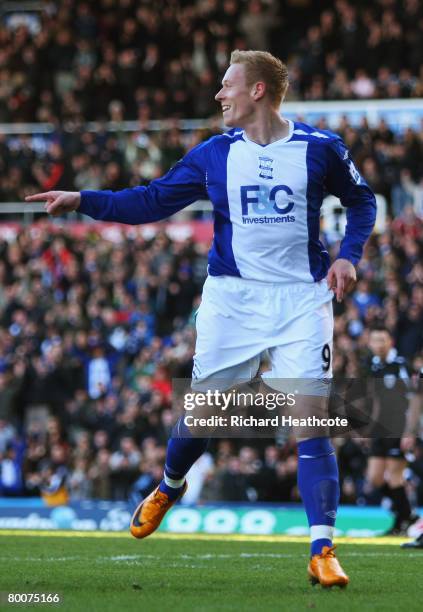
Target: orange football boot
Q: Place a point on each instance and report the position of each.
(326, 570)
(150, 512)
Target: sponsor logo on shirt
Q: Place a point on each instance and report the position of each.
(266, 205)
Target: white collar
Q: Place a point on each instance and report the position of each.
(271, 144)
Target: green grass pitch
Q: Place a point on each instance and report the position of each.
(210, 573)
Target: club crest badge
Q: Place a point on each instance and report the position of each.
(266, 167)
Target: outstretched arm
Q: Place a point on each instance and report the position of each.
(57, 202)
(344, 181)
(181, 186)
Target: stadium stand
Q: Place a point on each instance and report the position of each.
(95, 60)
(91, 331)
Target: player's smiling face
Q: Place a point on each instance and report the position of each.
(235, 97)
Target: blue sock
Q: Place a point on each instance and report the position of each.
(318, 482)
(181, 454)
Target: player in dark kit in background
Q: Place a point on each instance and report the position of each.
(413, 423)
(392, 396)
(417, 543)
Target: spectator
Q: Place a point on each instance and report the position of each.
(124, 467)
(84, 67)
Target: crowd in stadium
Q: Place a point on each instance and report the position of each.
(67, 65)
(110, 59)
(96, 331)
(392, 163)
(92, 333)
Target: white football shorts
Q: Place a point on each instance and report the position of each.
(238, 319)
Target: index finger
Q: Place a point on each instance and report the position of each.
(37, 197)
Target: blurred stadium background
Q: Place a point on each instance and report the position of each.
(96, 319)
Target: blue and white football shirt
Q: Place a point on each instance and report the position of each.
(266, 201)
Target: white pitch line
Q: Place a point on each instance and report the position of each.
(237, 537)
(138, 559)
(41, 559)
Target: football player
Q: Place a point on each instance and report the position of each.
(392, 397)
(270, 282)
